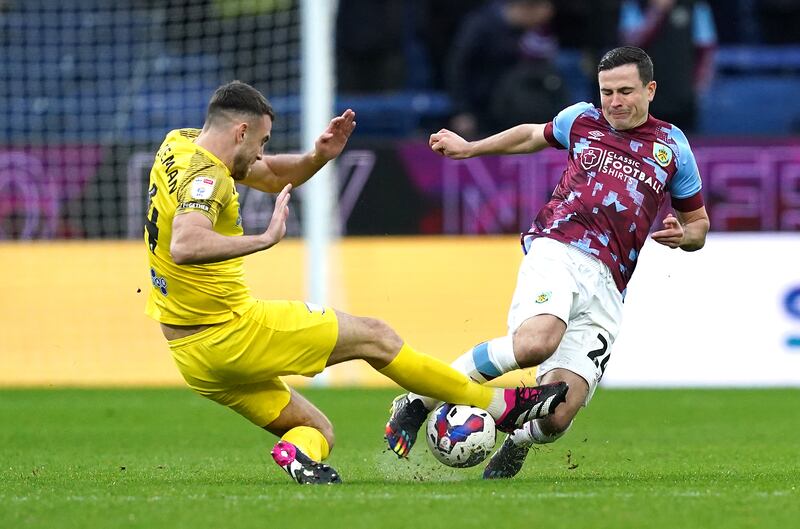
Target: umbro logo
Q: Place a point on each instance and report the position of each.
(596, 134)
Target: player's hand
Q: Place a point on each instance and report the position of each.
(448, 143)
(277, 225)
(671, 235)
(333, 139)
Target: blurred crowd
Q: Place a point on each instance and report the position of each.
(501, 61)
(478, 66)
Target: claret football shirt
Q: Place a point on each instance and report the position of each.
(614, 185)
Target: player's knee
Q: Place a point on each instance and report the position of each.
(384, 341)
(531, 349)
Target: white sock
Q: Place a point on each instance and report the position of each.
(488, 360)
(498, 405)
(484, 362)
(531, 433)
(522, 436)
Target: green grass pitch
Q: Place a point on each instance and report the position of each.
(155, 458)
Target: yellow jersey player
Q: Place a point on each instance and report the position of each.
(233, 348)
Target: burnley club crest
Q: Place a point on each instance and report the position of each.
(662, 154)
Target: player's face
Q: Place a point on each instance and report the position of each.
(251, 147)
(625, 100)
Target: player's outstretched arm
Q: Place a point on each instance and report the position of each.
(525, 138)
(271, 173)
(194, 240)
(687, 231)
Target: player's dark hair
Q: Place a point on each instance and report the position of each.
(240, 97)
(628, 55)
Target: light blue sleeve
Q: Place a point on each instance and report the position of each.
(686, 181)
(562, 123)
(704, 32)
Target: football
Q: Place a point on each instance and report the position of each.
(460, 436)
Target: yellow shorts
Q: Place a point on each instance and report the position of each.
(238, 363)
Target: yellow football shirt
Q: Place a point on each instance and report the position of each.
(185, 177)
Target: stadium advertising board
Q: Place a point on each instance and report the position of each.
(728, 315)
(40, 185)
(389, 188)
(747, 187)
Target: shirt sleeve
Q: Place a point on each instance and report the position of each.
(206, 194)
(686, 183)
(559, 128)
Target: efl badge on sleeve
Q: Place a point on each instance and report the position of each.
(202, 188)
(662, 154)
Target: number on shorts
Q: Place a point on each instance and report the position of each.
(597, 354)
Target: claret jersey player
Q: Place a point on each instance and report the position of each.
(614, 185)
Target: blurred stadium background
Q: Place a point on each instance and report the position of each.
(88, 90)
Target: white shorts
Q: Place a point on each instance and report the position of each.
(555, 278)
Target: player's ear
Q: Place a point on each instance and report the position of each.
(241, 131)
(651, 90)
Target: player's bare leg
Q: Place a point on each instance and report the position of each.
(537, 338)
(375, 342)
(507, 461)
(301, 412)
(535, 341)
(306, 440)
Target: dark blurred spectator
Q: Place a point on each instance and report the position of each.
(779, 20)
(736, 21)
(501, 70)
(590, 28)
(437, 22)
(370, 45)
(680, 37)
(589, 25)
